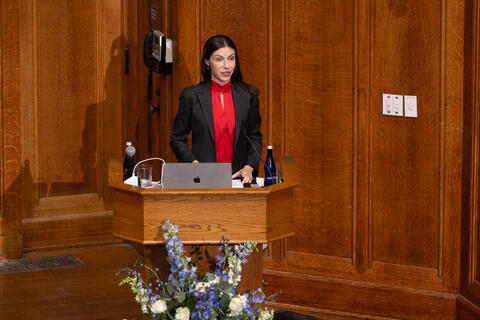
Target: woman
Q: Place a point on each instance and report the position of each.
(220, 112)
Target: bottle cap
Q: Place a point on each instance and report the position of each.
(129, 143)
(269, 147)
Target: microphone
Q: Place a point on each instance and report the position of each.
(255, 149)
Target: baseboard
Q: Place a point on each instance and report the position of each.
(323, 313)
(301, 290)
(73, 230)
(466, 309)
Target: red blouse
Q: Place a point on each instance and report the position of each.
(224, 120)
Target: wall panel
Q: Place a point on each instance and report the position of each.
(10, 128)
(67, 110)
(469, 304)
(246, 23)
(406, 170)
(379, 197)
(319, 120)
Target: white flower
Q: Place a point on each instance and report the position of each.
(144, 309)
(236, 305)
(266, 315)
(182, 314)
(140, 296)
(231, 274)
(160, 306)
(200, 287)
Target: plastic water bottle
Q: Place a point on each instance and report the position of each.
(129, 161)
(270, 170)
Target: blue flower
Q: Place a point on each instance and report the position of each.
(207, 296)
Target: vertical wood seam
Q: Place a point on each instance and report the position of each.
(371, 27)
(99, 92)
(442, 134)
(283, 98)
(2, 169)
(270, 72)
(285, 72)
(200, 28)
(356, 131)
(474, 165)
(36, 158)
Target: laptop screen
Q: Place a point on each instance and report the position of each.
(197, 175)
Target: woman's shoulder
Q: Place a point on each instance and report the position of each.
(246, 88)
(200, 87)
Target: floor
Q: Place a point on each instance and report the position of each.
(87, 292)
(90, 291)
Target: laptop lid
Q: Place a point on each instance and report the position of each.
(197, 175)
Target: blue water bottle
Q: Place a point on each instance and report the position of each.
(129, 161)
(270, 171)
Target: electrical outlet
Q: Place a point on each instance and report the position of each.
(392, 105)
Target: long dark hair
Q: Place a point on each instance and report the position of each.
(212, 45)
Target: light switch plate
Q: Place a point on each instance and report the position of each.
(392, 105)
(411, 106)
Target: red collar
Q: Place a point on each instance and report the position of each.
(218, 88)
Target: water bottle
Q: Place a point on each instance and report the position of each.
(129, 161)
(270, 171)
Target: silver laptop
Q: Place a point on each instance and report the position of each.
(197, 175)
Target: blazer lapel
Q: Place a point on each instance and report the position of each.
(240, 104)
(205, 98)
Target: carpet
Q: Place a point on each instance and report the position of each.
(37, 264)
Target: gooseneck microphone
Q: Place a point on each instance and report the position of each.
(255, 149)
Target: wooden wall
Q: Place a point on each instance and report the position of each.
(378, 209)
(71, 93)
(469, 304)
(382, 200)
(10, 158)
(61, 104)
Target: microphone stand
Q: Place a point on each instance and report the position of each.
(258, 154)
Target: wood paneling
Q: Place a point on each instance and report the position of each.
(61, 96)
(406, 173)
(379, 197)
(378, 210)
(71, 93)
(470, 276)
(10, 128)
(358, 297)
(67, 108)
(466, 310)
(319, 122)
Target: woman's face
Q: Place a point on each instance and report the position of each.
(222, 64)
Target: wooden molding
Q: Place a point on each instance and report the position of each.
(359, 297)
(466, 309)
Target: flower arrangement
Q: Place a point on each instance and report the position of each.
(187, 295)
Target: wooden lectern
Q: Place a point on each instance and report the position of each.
(204, 215)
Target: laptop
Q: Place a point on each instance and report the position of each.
(197, 175)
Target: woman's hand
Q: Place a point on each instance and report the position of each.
(246, 173)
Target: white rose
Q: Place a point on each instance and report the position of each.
(237, 304)
(182, 314)
(200, 287)
(160, 306)
(265, 315)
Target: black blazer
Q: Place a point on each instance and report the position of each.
(195, 114)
